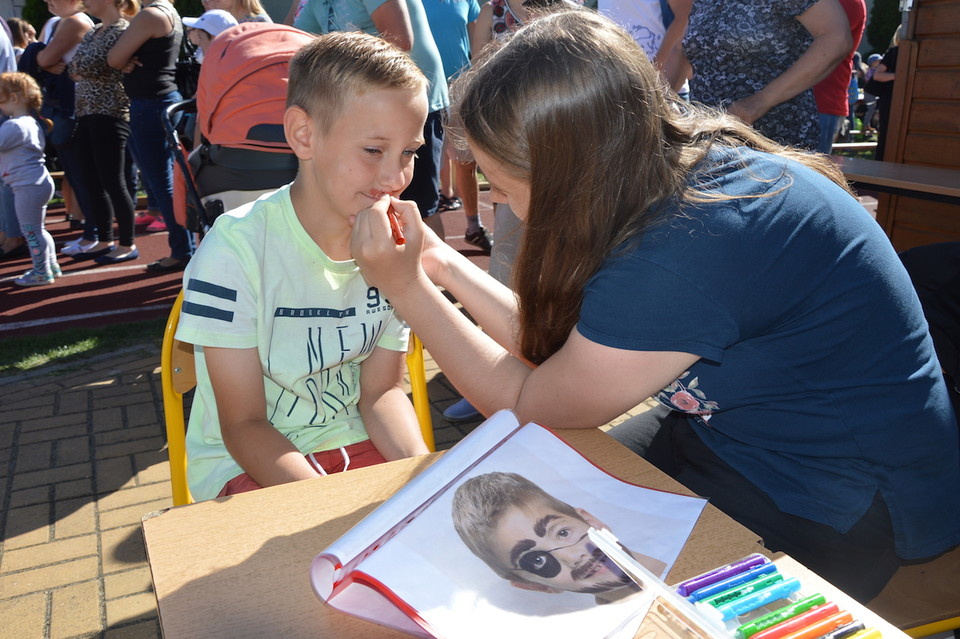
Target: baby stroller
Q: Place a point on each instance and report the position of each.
(241, 98)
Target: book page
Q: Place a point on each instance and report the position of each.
(542, 557)
(373, 529)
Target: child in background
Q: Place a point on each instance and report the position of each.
(23, 169)
(300, 361)
(22, 33)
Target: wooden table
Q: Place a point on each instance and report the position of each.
(927, 182)
(239, 566)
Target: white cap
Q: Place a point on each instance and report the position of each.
(214, 22)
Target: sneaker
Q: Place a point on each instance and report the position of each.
(144, 219)
(480, 238)
(462, 411)
(157, 226)
(55, 269)
(33, 278)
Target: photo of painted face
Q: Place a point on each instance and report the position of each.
(535, 541)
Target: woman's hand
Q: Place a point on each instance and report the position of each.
(56, 69)
(385, 263)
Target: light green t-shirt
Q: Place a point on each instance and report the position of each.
(259, 281)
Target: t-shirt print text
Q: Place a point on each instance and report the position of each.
(375, 302)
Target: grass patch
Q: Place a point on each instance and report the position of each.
(23, 354)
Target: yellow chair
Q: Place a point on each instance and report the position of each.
(178, 375)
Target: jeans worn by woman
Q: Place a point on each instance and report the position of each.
(151, 152)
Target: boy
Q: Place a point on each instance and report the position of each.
(537, 542)
(208, 26)
(299, 361)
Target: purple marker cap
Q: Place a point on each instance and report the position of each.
(713, 576)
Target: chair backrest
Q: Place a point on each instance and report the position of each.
(178, 374)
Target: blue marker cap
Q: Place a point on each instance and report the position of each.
(754, 600)
(730, 582)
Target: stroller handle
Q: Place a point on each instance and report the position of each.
(171, 116)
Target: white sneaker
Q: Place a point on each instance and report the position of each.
(55, 269)
(32, 278)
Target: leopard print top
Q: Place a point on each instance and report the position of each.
(100, 86)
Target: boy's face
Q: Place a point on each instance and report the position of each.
(368, 150)
(552, 550)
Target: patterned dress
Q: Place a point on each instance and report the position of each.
(737, 47)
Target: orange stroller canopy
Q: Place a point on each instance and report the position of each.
(242, 89)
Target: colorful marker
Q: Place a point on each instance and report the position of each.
(780, 614)
(754, 600)
(730, 582)
(869, 633)
(844, 631)
(822, 627)
(721, 573)
(395, 227)
(796, 623)
(743, 589)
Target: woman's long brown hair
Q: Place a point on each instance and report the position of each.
(572, 105)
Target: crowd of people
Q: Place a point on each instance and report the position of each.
(648, 241)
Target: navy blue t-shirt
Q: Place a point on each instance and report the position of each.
(817, 380)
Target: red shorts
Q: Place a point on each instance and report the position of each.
(331, 461)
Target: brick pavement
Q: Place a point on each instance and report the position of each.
(82, 449)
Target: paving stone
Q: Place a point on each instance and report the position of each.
(77, 488)
(128, 582)
(50, 553)
(73, 450)
(76, 610)
(23, 617)
(30, 497)
(55, 433)
(28, 413)
(128, 434)
(34, 457)
(132, 608)
(149, 629)
(52, 476)
(152, 466)
(122, 549)
(74, 517)
(27, 526)
(114, 474)
(132, 496)
(132, 514)
(106, 419)
(49, 577)
(132, 447)
(129, 397)
(71, 403)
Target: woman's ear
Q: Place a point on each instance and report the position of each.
(298, 128)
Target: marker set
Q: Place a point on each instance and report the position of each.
(745, 587)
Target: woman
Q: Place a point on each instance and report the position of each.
(881, 85)
(147, 54)
(59, 102)
(671, 251)
(242, 10)
(103, 126)
(759, 60)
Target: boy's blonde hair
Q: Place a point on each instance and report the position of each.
(23, 85)
(327, 72)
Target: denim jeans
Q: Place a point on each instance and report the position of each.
(151, 152)
(829, 127)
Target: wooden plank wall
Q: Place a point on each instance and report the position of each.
(925, 121)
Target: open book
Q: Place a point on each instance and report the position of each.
(492, 541)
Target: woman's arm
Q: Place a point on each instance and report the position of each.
(670, 59)
(883, 74)
(583, 385)
(828, 24)
(69, 33)
(393, 22)
(149, 23)
(260, 449)
(385, 408)
(482, 32)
